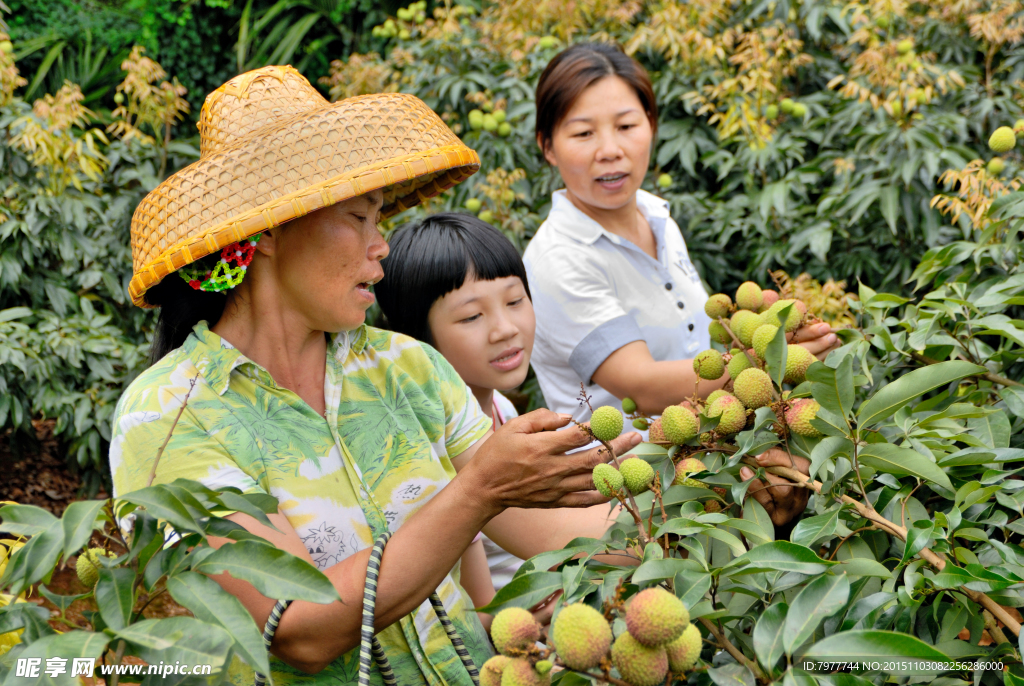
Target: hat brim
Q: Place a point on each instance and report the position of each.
(407, 180)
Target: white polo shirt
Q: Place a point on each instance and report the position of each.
(594, 292)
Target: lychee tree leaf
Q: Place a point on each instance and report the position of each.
(833, 388)
(25, 520)
(778, 556)
(776, 353)
(114, 596)
(65, 646)
(768, 635)
(525, 590)
(732, 675)
(819, 599)
(811, 529)
(79, 520)
(275, 573)
(888, 399)
(184, 639)
(828, 449)
(891, 459)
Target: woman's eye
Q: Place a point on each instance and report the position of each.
(581, 134)
(515, 302)
(469, 319)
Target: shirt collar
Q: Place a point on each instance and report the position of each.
(572, 222)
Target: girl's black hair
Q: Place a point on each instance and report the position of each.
(181, 308)
(432, 258)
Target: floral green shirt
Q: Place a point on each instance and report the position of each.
(397, 413)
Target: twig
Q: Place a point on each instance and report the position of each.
(727, 645)
(117, 660)
(167, 439)
(993, 629)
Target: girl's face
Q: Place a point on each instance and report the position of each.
(485, 330)
(603, 145)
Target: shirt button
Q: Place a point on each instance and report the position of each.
(668, 287)
(690, 327)
(680, 304)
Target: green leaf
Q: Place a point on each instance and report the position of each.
(35, 560)
(212, 604)
(886, 401)
(63, 602)
(12, 313)
(833, 388)
(114, 596)
(164, 504)
(775, 355)
(68, 645)
(819, 599)
(779, 556)
(656, 570)
(903, 462)
(25, 520)
(809, 530)
(32, 618)
(731, 675)
(80, 519)
(546, 561)
(976, 456)
(918, 538)
(735, 545)
(862, 566)
(525, 590)
(889, 204)
(871, 644)
(241, 503)
(274, 573)
(768, 635)
(179, 639)
(755, 513)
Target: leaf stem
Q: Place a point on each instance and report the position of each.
(167, 439)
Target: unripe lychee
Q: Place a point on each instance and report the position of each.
(88, 566)
(665, 180)
(655, 434)
(762, 337)
(897, 108)
(628, 405)
(499, 116)
(637, 474)
(904, 46)
(1002, 140)
(656, 617)
(490, 123)
(119, 98)
(717, 306)
(709, 365)
(798, 359)
(581, 636)
(733, 416)
(737, 364)
(607, 480)
(787, 105)
(504, 129)
(679, 424)
(606, 423)
(476, 120)
(640, 424)
(519, 672)
(514, 629)
(547, 42)
(754, 388)
(715, 395)
(749, 296)
(771, 112)
(490, 673)
(718, 333)
(799, 417)
(486, 216)
(690, 465)
(6, 46)
(995, 166)
(638, 664)
(544, 666)
(473, 204)
(745, 326)
(768, 298)
(799, 110)
(684, 652)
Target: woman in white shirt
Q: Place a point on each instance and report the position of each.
(619, 305)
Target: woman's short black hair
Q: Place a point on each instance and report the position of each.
(432, 258)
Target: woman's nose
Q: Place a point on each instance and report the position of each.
(608, 147)
(504, 329)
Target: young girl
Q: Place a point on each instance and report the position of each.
(457, 283)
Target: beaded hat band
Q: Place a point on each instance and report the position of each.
(222, 276)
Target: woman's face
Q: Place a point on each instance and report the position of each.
(324, 263)
(603, 145)
(485, 330)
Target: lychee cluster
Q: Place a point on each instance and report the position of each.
(88, 566)
(515, 634)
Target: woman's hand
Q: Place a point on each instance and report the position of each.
(782, 499)
(524, 464)
(817, 338)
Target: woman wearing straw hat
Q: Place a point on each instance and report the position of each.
(261, 255)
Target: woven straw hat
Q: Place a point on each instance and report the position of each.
(273, 149)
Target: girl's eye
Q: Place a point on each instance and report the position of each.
(515, 302)
(628, 126)
(581, 134)
(469, 319)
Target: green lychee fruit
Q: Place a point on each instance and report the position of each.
(718, 333)
(476, 119)
(799, 110)
(684, 652)
(607, 480)
(763, 335)
(749, 296)
(882, 22)
(656, 617)
(499, 116)
(420, 17)
(6, 46)
(487, 106)
(715, 395)
(508, 196)
(754, 388)
(119, 98)
(641, 424)
(768, 298)
(486, 216)
(787, 105)
(737, 364)
(637, 474)
(1018, 127)
(88, 566)
(504, 129)
(718, 305)
(514, 629)
(743, 324)
(733, 416)
(404, 14)
(904, 46)
(771, 315)
(473, 205)
(709, 365)
(581, 636)
(519, 672)
(638, 664)
(490, 123)
(799, 417)
(798, 359)
(771, 112)
(490, 673)
(995, 166)
(628, 405)
(606, 423)
(1002, 140)
(404, 34)
(547, 42)
(544, 666)
(679, 424)
(655, 434)
(664, 181)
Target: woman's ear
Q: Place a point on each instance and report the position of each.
(546, 151)
(267, 244)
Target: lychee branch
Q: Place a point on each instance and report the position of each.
(737, 655)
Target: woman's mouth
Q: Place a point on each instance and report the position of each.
(363, 288)
(508, 360)
(614, 181)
